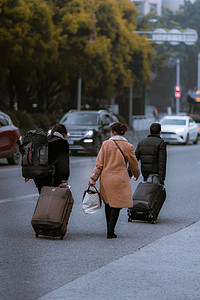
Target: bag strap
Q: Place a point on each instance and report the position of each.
(53, 163)
(93, 187)
(120, 151)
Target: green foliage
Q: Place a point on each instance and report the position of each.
(45, 46)
(53, 119)
(25, 120)
(41, 121)
(12, 116)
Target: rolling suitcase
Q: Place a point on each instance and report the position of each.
(52, 212)
(148, 200)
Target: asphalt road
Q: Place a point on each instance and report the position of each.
(31, 268)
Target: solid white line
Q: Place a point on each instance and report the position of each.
(3, 169)
(18, 198)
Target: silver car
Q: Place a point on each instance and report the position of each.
(179, 129)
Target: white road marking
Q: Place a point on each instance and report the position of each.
(3, 169)
(18, 198)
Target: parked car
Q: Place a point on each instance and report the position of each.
(9, 140)
(87, 129)
(179, 129)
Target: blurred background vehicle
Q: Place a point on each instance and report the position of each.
(9, 140)
(197, 120)
(179, 129)
(87, 129)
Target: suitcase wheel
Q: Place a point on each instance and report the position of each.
(36, 235)
(62, 236)
(129, 220)
(153, 221)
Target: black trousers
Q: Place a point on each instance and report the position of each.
(112, 214)
(40, 182)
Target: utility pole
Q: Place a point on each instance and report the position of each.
(177, 84)
(79, 94)
(198, 73)
(130, 104)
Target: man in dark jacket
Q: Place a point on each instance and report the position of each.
(151, 151)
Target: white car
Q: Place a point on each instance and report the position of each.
(179, 129)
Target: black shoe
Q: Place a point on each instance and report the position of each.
(111, 236)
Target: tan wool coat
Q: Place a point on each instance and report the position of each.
(115, 186)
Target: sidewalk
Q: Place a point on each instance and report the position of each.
(167, 269)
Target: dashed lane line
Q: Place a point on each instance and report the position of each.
(24, 197)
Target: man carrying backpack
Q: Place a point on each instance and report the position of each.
(151, 151)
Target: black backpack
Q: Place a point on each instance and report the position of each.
(34, 150)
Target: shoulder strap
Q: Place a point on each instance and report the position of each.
(120, 151)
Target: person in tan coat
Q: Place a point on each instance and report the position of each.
(115, 186)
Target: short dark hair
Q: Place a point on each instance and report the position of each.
(155, 128)
(119, 128)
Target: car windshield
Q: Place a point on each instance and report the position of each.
(81, 119)
(173, 122)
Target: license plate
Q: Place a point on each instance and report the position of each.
(71, 142)
(166, 136)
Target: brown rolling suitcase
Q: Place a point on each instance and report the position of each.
(52, 212)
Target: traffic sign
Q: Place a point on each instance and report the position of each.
(174, 36)
(190, 37)
(159, 36)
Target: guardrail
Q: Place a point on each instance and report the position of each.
(142, 122)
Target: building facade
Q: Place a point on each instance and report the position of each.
(173, 4)
(145, 6)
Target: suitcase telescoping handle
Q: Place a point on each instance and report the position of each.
(154, 178)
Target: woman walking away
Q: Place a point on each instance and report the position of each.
(115, 186)
(58, 155)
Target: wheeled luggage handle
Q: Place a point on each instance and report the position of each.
(154, 178)
(68, 186)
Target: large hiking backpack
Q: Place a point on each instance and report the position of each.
(34, 151)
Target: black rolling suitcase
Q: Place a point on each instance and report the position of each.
(52, 212)
(148, 200)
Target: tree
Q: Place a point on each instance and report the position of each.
(45, 46)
